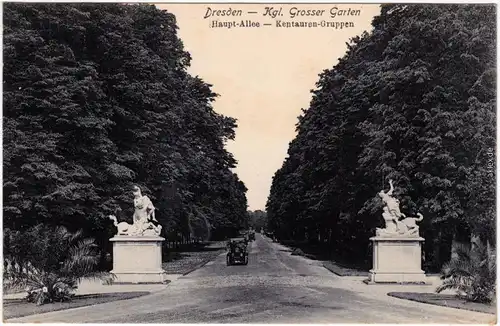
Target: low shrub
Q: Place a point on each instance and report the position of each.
(472, 273)
(48, 263)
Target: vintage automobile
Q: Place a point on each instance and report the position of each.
(237, 252)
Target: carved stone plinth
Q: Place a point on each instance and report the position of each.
(397, 260)
(137, 259)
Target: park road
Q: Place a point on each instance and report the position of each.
(275, 287)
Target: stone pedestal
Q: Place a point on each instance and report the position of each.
(137, 259)
(397, 260)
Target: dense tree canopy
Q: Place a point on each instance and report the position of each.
(97, 98)
(257, 219)
(413, 101)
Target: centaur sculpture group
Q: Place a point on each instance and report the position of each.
(396, 223)
(144, 216)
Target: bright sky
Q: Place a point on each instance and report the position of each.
(264, 75)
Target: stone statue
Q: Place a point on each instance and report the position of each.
(123, 227)
(409, 225)
(144, 209)
(391, 202)
(392, 214)
(391, 223)
(144, 216)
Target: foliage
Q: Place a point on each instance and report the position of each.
(257, 219)
(49, 262)
(414, 101)
(96, 98)
(472, 272)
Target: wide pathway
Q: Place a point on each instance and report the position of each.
(274, 287)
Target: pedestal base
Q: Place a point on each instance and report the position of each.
(397, 260)
(140, 277)
(137, 260)
(397, 278)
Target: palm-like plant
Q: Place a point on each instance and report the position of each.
(49, 262)
(472, 272)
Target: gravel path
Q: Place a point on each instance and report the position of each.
(275, 287)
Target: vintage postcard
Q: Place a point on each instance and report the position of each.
(249, 163)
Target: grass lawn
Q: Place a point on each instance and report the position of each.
(343, 271)
(184, 262)
(318, 252)
(445, 300)
(14, 308)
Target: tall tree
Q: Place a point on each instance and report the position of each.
(96, 98)
(411, 101)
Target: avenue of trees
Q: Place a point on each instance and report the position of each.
(97, 98)
(413, 100)
(257, 219)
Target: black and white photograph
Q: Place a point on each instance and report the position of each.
(249, 163)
